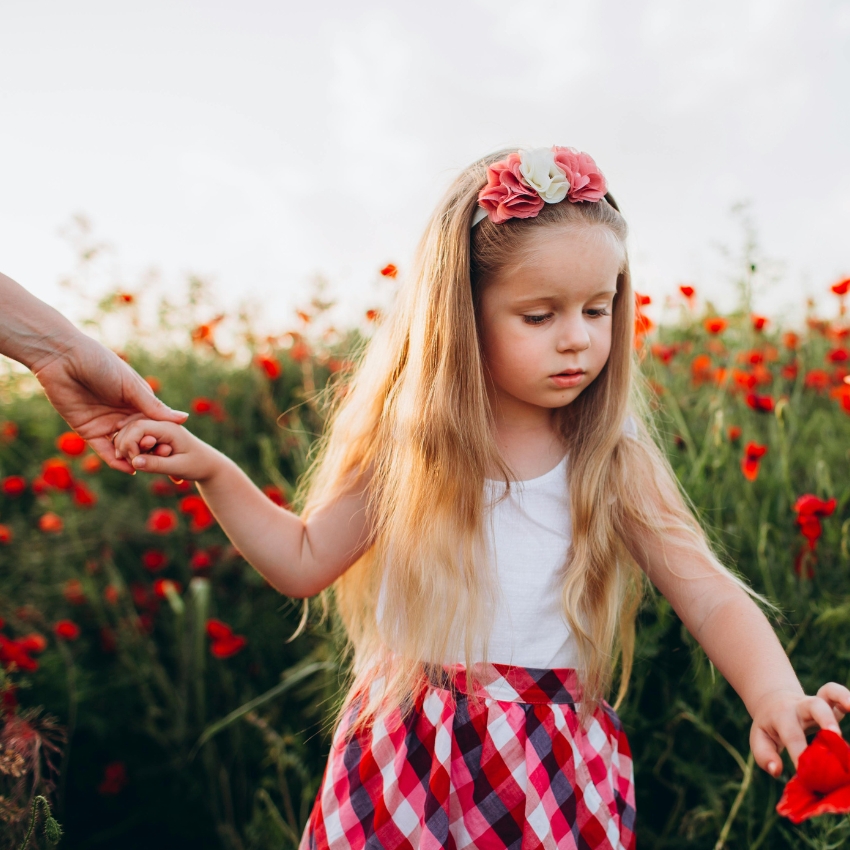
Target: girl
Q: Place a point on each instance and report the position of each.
(488, 503)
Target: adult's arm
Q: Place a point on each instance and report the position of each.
(92, 388)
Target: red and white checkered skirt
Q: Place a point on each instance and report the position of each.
(514, 770)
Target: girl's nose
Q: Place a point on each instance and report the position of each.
(573, 334)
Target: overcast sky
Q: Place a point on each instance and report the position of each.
(259, 143)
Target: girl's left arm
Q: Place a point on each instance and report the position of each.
(742, 645)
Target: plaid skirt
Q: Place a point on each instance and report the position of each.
(512, 770)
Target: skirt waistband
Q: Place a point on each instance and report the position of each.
(509, 683)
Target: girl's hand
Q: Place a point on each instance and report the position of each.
(167, 448)
(781, 719)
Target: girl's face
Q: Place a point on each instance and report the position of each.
(546, 325)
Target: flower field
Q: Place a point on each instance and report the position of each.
(148, 684)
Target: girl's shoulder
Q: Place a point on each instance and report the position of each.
(630, 428)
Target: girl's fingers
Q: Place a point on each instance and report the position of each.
(818, 712)
(837, 696)
(164, 465)
(793, 737)
(162, 450)
(147, 442)
(765, 752)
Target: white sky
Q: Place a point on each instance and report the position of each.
(258, 143)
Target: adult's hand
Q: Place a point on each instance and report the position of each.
(92, 388)
(97, 393)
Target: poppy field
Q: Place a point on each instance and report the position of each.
(154, 688)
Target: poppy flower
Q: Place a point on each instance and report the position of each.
(790, 340)
(838, 355)
(821, 784)
(760, 403)
(57, 474)
(759, 322)
(73, 591)
(71, 443)
(275, 494)
(8, 431)
(753, 454)
(224, 643)
(50, 523)
(13, 486)
(643, 324)
(161, 487)
(161, 586)
(389, 270)
(66, 630)
(83, 496)
(162, 521)
(842, 395)
(734, 433)
(817, 379)
(842, 287)
(154, 560)
(744, 380)
(687, 291)
(269, 365)
(202, 405)
(153, 383)
(664, 353)
(114, 779)
(13, 653)
(300, 351)
(201, 560)
(217, 629)
(373, 315)
(91, 464)
(715, 325)
(809, 509)
(6, 535)
(110, 594)
(32, 642)
(789, 371)
(701, 368)
(196, 507)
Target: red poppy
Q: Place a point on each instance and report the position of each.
(715, 325)
(114, 778)
(643, 324)
(201, 560)
(642, 300)
(202, 518)
(838, 355)
(809, 509)
(162, 521)
(153, 383)
(110, 594)
(154, 560)
(6, 535)
(744, 380)
(790, 340)
(687, 291)
(300, 351)
(32, 643)
(789, 371)
(664, 353)
(57, 474)
(91, 464)
(202, 405)
(8, 431)
(389, 270)
(67, 630)
(760, 403)
(842, 287)
(12, 652)
(161, 586)
(161, 487)
(822, 782)
(270, 366)
(701, 368)
(226, 647)
(71, 443)
(73, 591)
(124, 298)
(275, 494)
(83, 496)
(50, 523)
(759, 322)
(817, 379)
(842, 395)
(373, 315)
(753, 454)
(13, 486)
(217, 629)
(734, 433)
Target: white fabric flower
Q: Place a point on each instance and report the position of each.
(542, 173)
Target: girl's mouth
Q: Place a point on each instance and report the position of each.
(568, 378)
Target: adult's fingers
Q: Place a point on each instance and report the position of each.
(103, 448)
(142, 397)
(765, 751)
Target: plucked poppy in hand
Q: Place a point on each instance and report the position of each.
(71, 443)
(162, 521)
(753, 454)
(822, 783)
(66, 630)
(56, 473)
(13, 486)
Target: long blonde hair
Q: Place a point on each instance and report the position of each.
(416, 421)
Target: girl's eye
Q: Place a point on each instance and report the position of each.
(536, 320)
(597, 312)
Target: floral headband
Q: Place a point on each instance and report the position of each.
(517, 187)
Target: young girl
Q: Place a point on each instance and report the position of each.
(487, 505)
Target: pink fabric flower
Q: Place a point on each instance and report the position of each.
(506, 194)
(587, 182)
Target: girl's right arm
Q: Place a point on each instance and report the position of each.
(297, 558)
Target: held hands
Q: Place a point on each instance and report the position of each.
(166, 448)
(782, 718)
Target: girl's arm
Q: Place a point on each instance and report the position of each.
(297, 558)
(740, 642)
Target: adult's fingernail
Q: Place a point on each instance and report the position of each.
(139, 462)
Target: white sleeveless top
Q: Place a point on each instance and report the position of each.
(528, 537)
